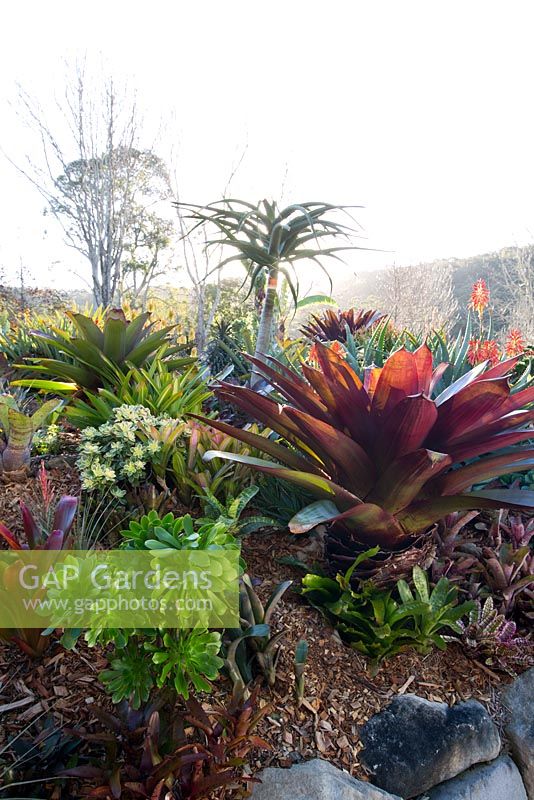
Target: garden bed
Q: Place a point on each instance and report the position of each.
(340, 693)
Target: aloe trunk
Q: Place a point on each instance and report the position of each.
(16, 455)
(265, 330)
(18, 432)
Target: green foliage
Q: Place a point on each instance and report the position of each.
(46, 442)
(225, 350)
(191, 475)
(379, 624)
(33, 763)
(230, 513)
(280, 499)
(129, 677)
(254, 644)
(178, 658)
(185, 657)
(179, 533)
(162, 392)
(96, 354)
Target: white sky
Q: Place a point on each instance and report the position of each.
(420, 110)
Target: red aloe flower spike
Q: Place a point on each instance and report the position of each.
(480, 296)
(515, 343)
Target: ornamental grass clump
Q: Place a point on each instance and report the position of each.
(384, 458)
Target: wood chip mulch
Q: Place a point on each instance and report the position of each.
(340, 693)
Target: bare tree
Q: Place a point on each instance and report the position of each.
(517, 279)
(94, 176)
(202, 265)
(419, 298)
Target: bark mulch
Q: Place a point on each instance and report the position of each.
(340, 693)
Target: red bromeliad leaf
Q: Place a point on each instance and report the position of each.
(405, 478)
(65, 513)
(322, 487)
(373, 525)
(501, 369)
(461, 383)
(477, 404)
(485, 468)
(345, 458)
(272, 448)
(419, 516)
(31, 528)
(424, 366)
(397, 379)
(6, 534)
(344, 409)
(55, 541)
(471, 450)
(303, 396)
(405, 429)
(261, 408)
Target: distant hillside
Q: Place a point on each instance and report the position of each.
(364, 289)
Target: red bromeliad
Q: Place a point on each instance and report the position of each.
(384, 458)
(331, 326)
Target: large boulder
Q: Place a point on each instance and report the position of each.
(518, 698)
(499, 780)
(314, 780)
(415, 744)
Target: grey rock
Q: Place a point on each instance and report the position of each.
(314, 780)
(518, 698)
(499, 780)
(415, 744)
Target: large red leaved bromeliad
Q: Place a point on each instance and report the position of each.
(385, 458)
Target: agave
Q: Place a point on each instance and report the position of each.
(384, 458)
(91, 359)
(331, 326)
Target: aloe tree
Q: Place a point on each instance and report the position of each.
(270, 241)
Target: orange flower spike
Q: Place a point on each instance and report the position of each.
(515, 343)
(489, 351)
(480, 296)
(473, 354)
(338, 349)
(312, 356)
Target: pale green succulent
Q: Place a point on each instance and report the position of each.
(18, 430)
